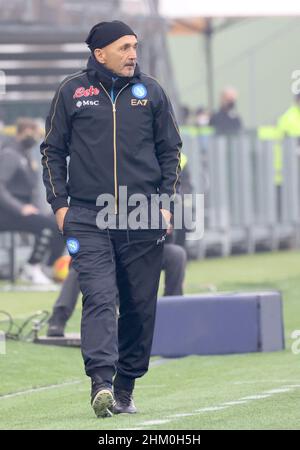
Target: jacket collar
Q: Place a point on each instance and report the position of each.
(106, 77)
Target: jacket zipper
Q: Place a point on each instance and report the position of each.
(115, 141)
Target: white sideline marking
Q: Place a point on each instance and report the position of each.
(69, 383)
(44, 388)
(256, 397)
(198, 411)
(211, 408)
(183, 415)
(155, 422)
(222, 406)
(278, 391)
(236, 402)
(30, 288)
(292, 386)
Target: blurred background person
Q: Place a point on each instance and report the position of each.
(185, 115)
(226, 120)
(174, 266)
(289, 122)
(186, 187)
(18, 211)
(202, 117)
(4, 139)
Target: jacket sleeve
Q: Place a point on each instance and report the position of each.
(168, 146)
(8, 167)
(54, 150)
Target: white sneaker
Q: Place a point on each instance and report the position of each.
(33, 273)
(48, 271)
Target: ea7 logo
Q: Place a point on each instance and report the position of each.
(87, 103)
(296, 345)
(136, 102)
(82, 92)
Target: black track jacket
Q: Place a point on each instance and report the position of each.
(116, 131)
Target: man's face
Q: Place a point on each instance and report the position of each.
(28, 137)
(28, 132)
(228, 98)
(119, 56)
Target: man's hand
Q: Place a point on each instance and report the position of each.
(60, 217)
(28, 210)
(167, 216)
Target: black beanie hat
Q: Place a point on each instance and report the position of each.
(104, 33)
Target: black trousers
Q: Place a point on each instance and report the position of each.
(112, 265)
(173, 264)
(48, 245)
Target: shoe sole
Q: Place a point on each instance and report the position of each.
(103, 403)
(124, 412)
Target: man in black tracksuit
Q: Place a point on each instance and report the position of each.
(18, 203)
(117, 126)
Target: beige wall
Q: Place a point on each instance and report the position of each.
(257, 56)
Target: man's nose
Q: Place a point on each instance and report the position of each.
(132, 54)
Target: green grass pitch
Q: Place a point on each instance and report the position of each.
(45, 387)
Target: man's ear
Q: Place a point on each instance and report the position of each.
(99, 55)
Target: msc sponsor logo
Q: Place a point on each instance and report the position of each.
(87, 103)
(135, 102)
(83, 92)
